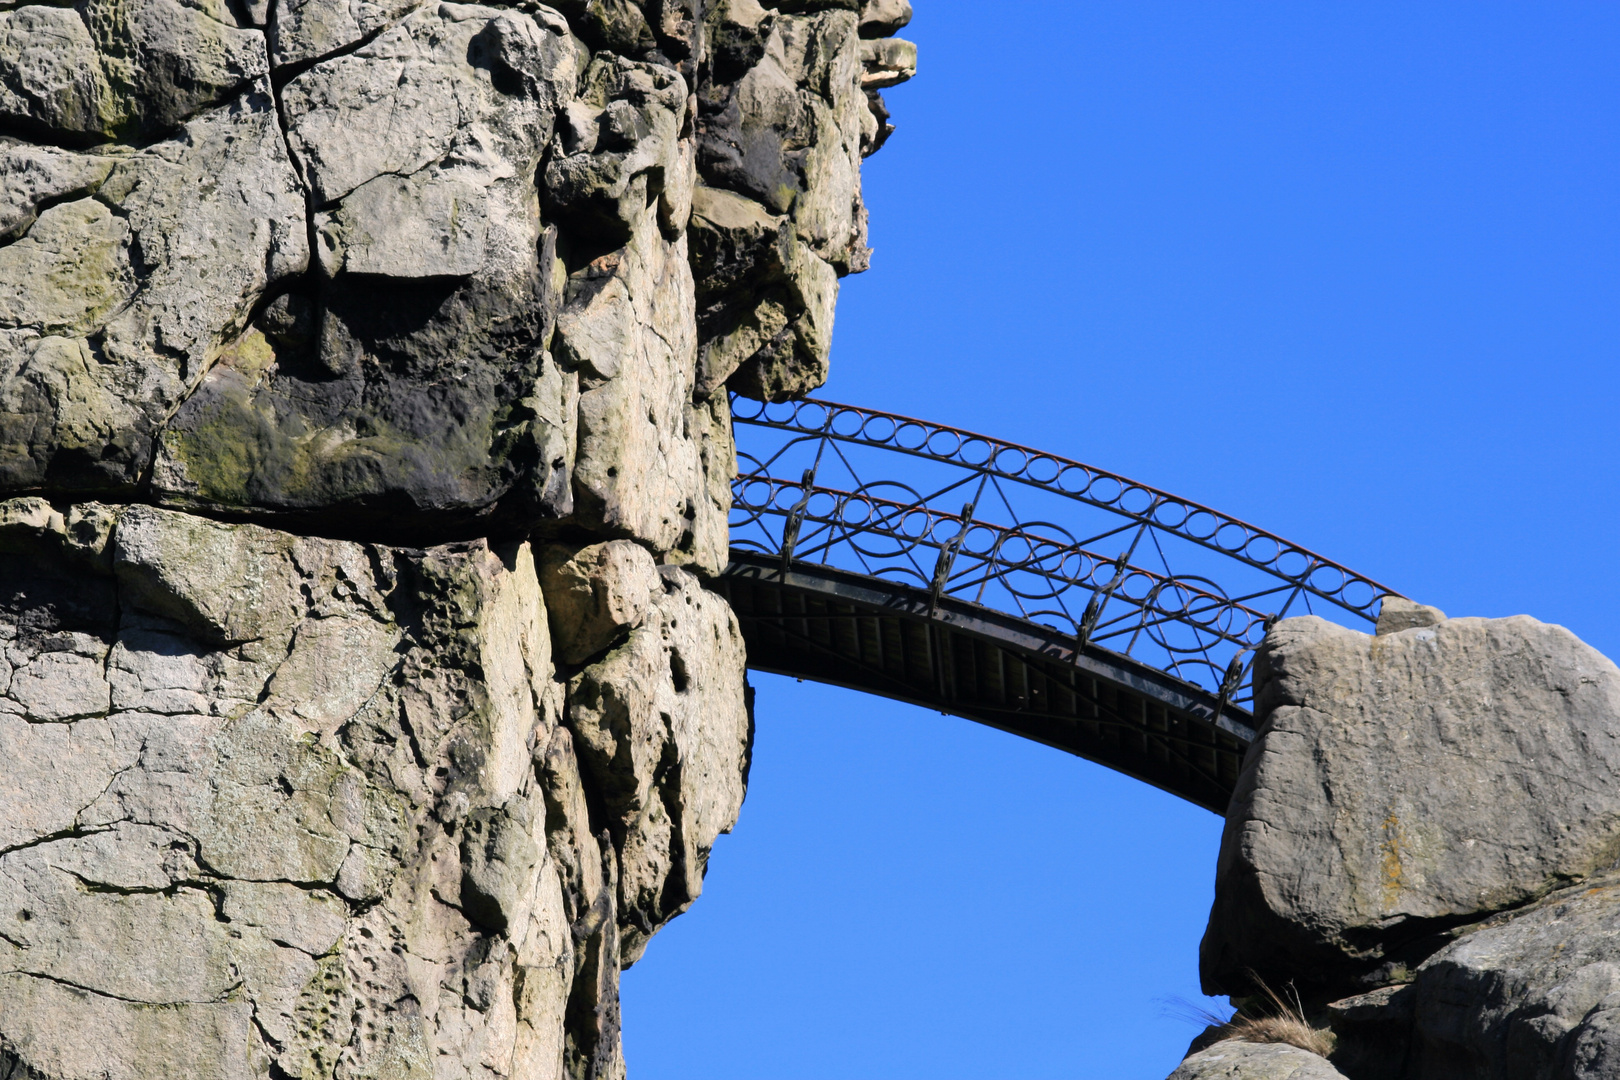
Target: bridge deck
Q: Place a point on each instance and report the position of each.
(820, 623)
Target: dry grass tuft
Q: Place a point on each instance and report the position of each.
(1281, 1029)
(1282, 1021)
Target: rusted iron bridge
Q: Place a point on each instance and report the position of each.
(1023, 590)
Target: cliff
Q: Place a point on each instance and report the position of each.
(1423, 856)
(364, 451)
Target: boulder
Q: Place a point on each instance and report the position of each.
(887, 62)
(1234, 1059)
(626, 329)
(1397, 613)
(1407, 784)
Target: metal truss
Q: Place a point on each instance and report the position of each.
(1112, 565)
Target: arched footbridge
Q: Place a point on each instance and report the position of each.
(1023, 590)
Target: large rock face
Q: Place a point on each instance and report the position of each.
(1408, 783)
(364, 449)
(417, 270)
(281, 803)
(1424, 844)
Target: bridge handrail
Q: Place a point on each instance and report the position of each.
(1141, 591)
(1147, 506)
(1045, 551)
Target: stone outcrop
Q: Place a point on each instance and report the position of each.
(320, 801)
(1453, 771)
(434, 265)
(1425, 845)
(1235, 1059)
(364, 451)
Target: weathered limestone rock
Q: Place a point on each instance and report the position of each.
(882, 18)
(305, 30)
(104, 69)
(784, 123)
(372, 353)
(252, 837)
(1234, 1059)
(107, 320)
(1406, 784)
(887, 63)
(331, 865)
(739, 248)
(315, 315)
(1536, 994)
(40, 175)
(661, 728)
(1530, 993)
(627, 327)
(420, 393)
(596, 594)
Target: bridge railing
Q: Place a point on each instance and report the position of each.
(1114, 563)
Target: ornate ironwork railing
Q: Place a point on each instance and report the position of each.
(1113, 563)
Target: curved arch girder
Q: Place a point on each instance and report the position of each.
(1088, 555)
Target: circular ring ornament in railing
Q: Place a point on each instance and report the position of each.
(1125, 567)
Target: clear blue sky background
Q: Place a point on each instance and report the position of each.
(1348, 271)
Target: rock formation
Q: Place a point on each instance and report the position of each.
(364, 450)
(1235, 1059)
(1424, 845)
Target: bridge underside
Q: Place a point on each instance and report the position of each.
(818, 623)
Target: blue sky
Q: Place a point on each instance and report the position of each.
(1346, 271)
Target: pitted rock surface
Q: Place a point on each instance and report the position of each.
(365, 447)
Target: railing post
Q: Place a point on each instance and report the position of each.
(1094, 606)
(947, 557)
(1229, 684)
(795, 518)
